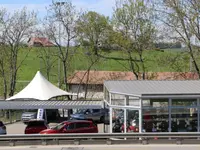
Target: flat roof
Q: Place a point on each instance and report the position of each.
(51, 104)
(152, 88)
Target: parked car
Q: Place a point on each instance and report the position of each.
(26, 116)
(72, 126)
(35, 126)
(2, 128)
(52, 114)
(97, 115)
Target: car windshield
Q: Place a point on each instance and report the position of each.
(81, 111)
(58, 127)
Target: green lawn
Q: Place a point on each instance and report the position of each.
(155, 61)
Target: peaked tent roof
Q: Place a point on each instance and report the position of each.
(39, 89)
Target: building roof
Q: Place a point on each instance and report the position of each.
(52, 104)
(39, 89)
(98, 77)
(42, 40)
(147, 88)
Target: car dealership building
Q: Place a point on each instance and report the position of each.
(162, 106)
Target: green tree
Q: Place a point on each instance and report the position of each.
(133, 22)
(92, 30)
(182, 17)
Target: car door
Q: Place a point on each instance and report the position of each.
(83, 127)
(69, 128)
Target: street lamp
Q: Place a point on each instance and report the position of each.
(59, 62)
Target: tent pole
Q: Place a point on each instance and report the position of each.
(10, 116)
(45, 113)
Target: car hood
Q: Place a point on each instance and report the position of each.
(49, 131)
(78, 116)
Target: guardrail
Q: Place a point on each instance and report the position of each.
(100, 138)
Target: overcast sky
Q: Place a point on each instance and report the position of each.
(101, 6)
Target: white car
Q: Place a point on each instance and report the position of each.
(2, 128)
(26, 116)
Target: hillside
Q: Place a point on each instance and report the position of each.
(156, 61)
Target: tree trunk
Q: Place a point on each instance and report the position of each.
(13, 78)
(132, 66)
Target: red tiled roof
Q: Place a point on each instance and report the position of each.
(98, 77)
(42, 40)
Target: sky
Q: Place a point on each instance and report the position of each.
(101, 6)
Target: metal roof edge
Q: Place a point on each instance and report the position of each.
(121, 93)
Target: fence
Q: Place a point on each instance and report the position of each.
(101, 138)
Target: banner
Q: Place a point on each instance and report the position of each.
(40, 113)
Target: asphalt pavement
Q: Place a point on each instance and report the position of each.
(111, 147)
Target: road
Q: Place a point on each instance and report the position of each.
(19, 127)
(111, 147)
(15, 128)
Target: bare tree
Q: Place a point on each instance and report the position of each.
(48, 58)
(60, 27)
(15, 28)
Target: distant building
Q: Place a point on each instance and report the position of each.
(39, 41)
(195, 41)
(91, 82)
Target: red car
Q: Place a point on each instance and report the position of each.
(35, 126)
(73, 126)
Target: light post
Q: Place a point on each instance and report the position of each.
(59, 62)
(59, 4)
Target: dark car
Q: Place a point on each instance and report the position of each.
(51, 114)
(35, 126)
(97, 115)
(73, 126)
(2, 128)
(26, 116)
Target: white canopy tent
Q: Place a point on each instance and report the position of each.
(39, 89)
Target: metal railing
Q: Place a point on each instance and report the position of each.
(100, 138)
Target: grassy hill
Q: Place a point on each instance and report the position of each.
(155, 61)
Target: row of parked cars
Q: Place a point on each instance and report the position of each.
(97, 115)
(83, 121)
(35, 126)
(70, 126)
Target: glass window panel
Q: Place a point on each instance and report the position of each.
(184, 102)
(117, 99)
(155, 103)
(184, 120)
(106, 95)
(133, 101)
(155, 120)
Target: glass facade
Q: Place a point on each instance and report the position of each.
(180, 116)
(158, 115)
(155, 115)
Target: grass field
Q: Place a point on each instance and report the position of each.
(155, 61)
